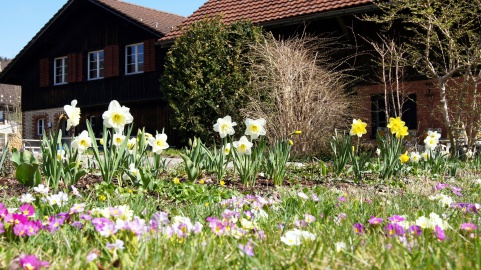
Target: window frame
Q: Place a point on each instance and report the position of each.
(40, 130)
(97, 63)
(136, 60)
(64, 67)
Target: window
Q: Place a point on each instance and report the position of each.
(60, 70)
(378, 109)
(134, 58)
(40, 126)
(96, 65)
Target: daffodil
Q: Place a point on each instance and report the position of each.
(118, 139)
(358, 128)
(243, 146)
(158, 143)
(225, 126)
(60, 155)
(134, 171)
(402, 132)
(117, 116)
(73, 114)
(82, 142)
(415, 157)
(430, 143)
(404, 157)
(395, 124)
(255, 128)
(227, 149)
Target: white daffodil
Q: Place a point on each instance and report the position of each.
(117, 116)
(158, 143)
(378, 152)
(82, 142)
(227, 149)
(134, 171)
(118, 139)
(415, 157)
(61, 155)
(434, 135)
(225, 126)
(430, 143)
(131, 145)
(243, 146)
(41, 189)
(426, 155)
(255, 128)
(73, 114)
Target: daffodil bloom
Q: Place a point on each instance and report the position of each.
(227, 149)
(430, 143)
(402, 132)
(73, 114)
(134, 171)
(225, 126)
(291, 143)
(60, 155)
(158, 143)
(255, 128)
(82, 142)
(404, 157)
(118, 139)
(243, 146)
(117, 116)
(378, 151)
(395, 124)
(425, 155)
(358, 128)
(415, 157)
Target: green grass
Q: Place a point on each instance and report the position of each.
(69, 246)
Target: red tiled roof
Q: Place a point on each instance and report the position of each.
(160, 21)
(263, 11)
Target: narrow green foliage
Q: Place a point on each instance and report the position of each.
(193, 159)
(391, 149)
(4, 156)
(276, 162)
(342, 147)
(217, 160)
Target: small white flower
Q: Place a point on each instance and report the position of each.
(225, 126)
(119, 244)
(415, 157)
(118, 139)
(243, 146)
(255, 128)
(75, 191)
(27, 198)
(302, 195)
(340, 246)
(91, 256)
(296, 236)
(41, 189)
(378, 152)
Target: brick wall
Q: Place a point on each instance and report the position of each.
(428, 105)
(30, 119)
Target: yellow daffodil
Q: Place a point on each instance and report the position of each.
(395, 124)
(402, 132)
(358, 128)
(404, 157)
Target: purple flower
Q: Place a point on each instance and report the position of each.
(375, 220)
(27, 210)
(309, 218)
(396, 219)
(107, 229)
(466, 207)
(99, 223)
(415, 230)
(216, 226)
(260, 234)
(280, 226)
(2, 230)
(368, 200)
(300, 223)
(439, 233)
(119, 244)
(91, 256)
(54, 224)
(394, 229)
(342, 199)
(15, 218)
(137, 226)
(468, 227)
(358, 228)
(314, 197)
(86, 217)
(32, 263)
(77, 208)
(247, 248)
(77, 224)
(159, 219)
(441, 186)
(20, 229)
(456, 190)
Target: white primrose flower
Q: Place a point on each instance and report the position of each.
(255, 128)
(158, 143)
(296, 236)
(340, 246)
(82, 142)
(243, 146)
(73, 114)
(41, 189)
(27, 198)
(117, 116)
(225, 126)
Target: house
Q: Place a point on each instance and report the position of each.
(335, 18)
(9, 108)
(93, 51)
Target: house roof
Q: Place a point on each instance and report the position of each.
(158, 22)
(263, 11)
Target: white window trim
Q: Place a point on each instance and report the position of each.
(136, 58)
(98, 65)
(64, 70)
(40, 130)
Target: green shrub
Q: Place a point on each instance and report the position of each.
(205, 75)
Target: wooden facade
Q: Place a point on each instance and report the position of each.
(81, 27)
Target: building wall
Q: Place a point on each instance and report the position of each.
(30, 121)
(428, 110)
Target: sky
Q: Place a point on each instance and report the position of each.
(20, 20)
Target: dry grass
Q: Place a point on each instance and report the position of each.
(298, 89)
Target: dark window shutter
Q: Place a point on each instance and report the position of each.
(111, 61)
(44, 72)
(71, 67)
(79, 62)
(149, 55)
